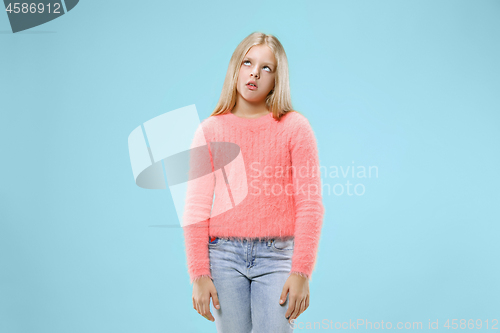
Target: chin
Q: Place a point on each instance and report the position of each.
(250, 97)
(254, 100)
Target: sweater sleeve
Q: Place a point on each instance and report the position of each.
(309, 209)
(198, 206)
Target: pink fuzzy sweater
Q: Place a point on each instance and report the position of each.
(267, 185)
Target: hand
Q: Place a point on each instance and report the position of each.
(203, 288)
(298, 288)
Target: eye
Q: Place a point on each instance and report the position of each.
(269, 68)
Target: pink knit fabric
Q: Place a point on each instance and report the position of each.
(284, 189)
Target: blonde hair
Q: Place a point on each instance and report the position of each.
(278, 101)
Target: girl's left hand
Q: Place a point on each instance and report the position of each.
(298, 288)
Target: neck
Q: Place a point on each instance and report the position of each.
(244, 108)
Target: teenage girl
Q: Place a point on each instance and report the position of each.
(254, 251)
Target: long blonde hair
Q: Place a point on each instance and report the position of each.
(278, 101)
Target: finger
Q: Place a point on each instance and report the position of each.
(202, 308)
(284, 292)
(291, 307)
(307, 302)
(194, 304)
(198, 308)
(301, 308)
(215, 300)
(295, 311)
(206, 311)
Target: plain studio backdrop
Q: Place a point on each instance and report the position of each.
(406, 88)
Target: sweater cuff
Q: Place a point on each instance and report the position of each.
(308, 277)
(197, 277)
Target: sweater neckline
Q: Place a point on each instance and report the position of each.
(250, 121)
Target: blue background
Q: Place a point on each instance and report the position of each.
(410, 87)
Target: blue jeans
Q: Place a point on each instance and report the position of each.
(249, 276)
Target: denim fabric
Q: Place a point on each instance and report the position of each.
(249, 276)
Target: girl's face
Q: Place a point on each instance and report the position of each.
(259, 66)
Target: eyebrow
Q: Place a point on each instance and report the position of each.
(266, 63)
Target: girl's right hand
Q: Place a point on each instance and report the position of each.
(203, 288)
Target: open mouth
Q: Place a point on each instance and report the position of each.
(251, 86)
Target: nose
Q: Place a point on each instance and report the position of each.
(255, 73)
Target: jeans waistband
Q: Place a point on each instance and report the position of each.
(267, 240)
